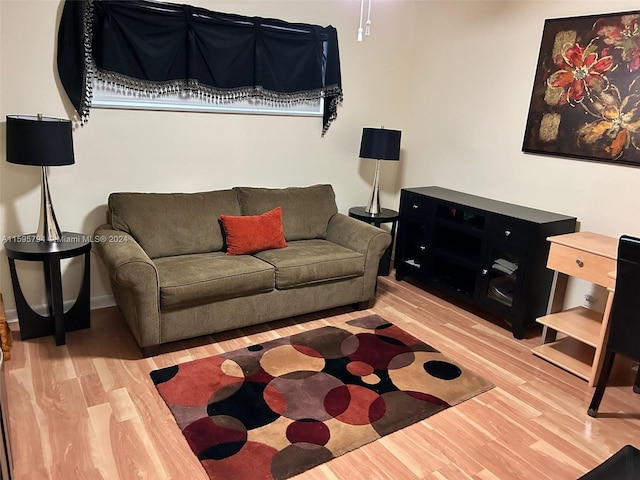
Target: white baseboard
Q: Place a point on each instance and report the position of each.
(95, 303)
(102, 302)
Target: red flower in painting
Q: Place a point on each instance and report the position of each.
(624, 34)
(581, 71)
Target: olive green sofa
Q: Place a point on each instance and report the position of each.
(165, 254)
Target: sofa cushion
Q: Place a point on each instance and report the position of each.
(188, 279)
(247, 234)
(306, 262)
(306, 211)
(167, 224)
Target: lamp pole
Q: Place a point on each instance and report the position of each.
(48, 229)
(373, 207)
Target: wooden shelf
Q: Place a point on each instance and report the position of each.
(578, 322)
(464, 259)
(464, 228)
(579, 350)
(568, 353)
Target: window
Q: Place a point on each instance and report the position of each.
(151, 55)
(105, 97)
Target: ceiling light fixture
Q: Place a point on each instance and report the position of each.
(367, 29)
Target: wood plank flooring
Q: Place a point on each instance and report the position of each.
(88, 409)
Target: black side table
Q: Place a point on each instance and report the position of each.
(385, 216)
(33, 325)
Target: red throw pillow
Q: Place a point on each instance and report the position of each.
(253, 233)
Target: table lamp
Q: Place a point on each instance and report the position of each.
(379, 144)
(43, 142)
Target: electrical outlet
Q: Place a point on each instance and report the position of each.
(590, 300)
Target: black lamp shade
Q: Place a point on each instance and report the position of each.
(380, 144)
(39, 141)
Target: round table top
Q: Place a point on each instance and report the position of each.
(26, 247)
(385, 214)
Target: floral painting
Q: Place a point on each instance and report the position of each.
(586, 96)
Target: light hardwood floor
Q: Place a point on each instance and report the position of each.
(88, 410)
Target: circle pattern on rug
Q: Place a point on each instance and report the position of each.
(281, 407)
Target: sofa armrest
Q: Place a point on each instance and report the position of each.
(123, 256)
(357, 235)
(364, 238)
(135, 283)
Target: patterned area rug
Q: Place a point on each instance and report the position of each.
(273, 410)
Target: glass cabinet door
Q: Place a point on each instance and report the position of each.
(501, 278)
(414, 253)
(504, 264)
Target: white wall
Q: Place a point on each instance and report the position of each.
(472, 85)
(454, 75)
(168, 151)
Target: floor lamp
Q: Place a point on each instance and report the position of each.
(378, 144)
(42, 142)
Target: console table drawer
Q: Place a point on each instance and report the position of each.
(580, 264)
(416, 206)
(511, 232)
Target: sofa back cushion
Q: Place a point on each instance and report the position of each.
(306, 211)
(167, 224)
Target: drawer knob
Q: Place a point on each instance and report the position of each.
(485, 271)
(507, 233)
(415, 207)
(423, 248)
(579, 262)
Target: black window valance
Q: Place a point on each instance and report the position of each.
(158, 48)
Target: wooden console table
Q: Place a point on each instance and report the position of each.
(579, 350)
(483, 252)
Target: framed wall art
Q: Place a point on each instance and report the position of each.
(585, 102)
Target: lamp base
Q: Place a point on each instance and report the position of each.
(48, 229)
(373, 206)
